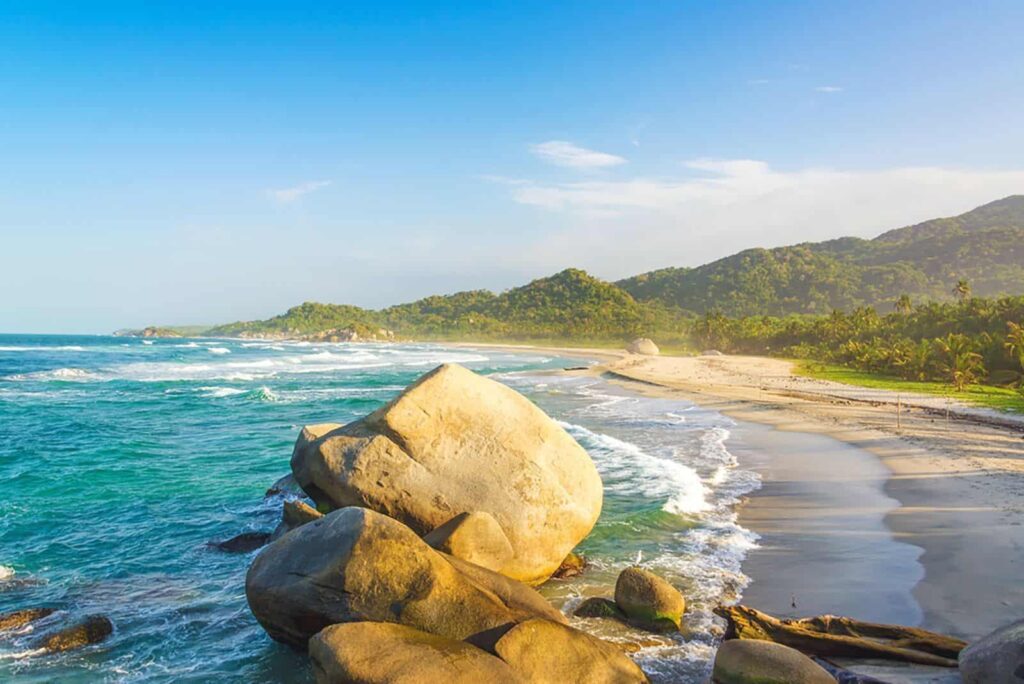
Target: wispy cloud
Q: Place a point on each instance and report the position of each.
(759, 81)
(285, 195)
(829, 89)
(715, 207)
(564, 153)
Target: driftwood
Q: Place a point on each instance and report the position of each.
(832, 636)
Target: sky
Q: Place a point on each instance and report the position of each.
(178, 163)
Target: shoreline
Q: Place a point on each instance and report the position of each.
(956, 482)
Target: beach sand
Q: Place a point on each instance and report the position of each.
(928, 530)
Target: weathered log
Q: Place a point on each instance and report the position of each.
(828, 635)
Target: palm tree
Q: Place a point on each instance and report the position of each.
(1014, 346)
(960, 364)
(962, 290)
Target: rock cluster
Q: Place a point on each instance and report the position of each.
(432, 517)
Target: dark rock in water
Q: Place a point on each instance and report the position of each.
(572, 566)
(243, 543)
(995, 659)
(91, 630)
(748, 661)
(595, 607)
(283, 486)
(649, 601)
(355, 565)
(20, 618)
(543, 651)
(386, 653)
(844, 676)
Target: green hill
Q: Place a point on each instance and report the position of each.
(984, 246)
(568, 305)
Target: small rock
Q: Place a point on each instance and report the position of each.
(284, 485)
(294, 513)
(742, 661)
(386, 653)
(648, 600)
(643, 345)
(997, 658)
(91, 630)
(544, 652)
(572, 566)
(474, 537)
(243, 543)
(595, 607)
(20, 618)
(711, 352)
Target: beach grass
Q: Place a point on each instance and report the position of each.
(988, 396)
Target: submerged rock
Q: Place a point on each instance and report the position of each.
(473, 537)
(20, 618)
(648, 600)
(643, 345)
(91, 630)
(747, 661)
(242, 543)
(455, 442)
(387, 653)
(542, 651)
(356, 565)
(595, 607)
(997, 658)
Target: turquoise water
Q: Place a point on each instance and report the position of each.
(123, 457)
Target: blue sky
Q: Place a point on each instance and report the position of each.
(169, 164)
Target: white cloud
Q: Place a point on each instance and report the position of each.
(564, 153)
(286, 195)
(621, 227)
(829, 89)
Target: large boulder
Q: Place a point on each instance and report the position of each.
(744, 661)
(356, 565)
(544, 652)
(643, 345)
(455, 442)
(648, 600)
(995, 659)
(474, 537)
(386, 653)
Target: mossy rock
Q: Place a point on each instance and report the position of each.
(648, 601)
(595, 607)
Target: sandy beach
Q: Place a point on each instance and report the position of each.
(936, 511)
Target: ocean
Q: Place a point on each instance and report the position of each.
(123, 457)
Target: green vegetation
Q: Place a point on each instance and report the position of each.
(956, 345)
(1001, 398)
(982, 249)
(570, 305)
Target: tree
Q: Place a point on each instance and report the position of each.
(904, 305)
(1014, 346)
(960, 364)
(962, 290)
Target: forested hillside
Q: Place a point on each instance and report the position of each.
(984, 246)
(568, 305)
